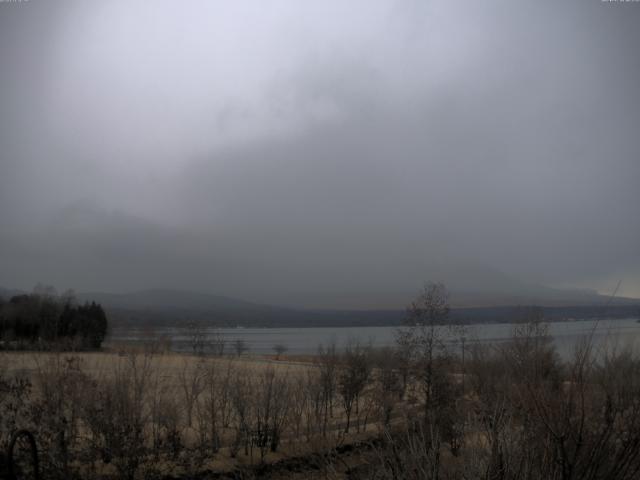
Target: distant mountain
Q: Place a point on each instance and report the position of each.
(175, 307)
(7, 293)
(458, 298)
(469, 284)
(166, 298)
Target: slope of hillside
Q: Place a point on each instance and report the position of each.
(166, 298)
(176, 307)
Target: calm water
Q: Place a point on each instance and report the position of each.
(566, 335)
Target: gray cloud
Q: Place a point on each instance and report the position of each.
(329, 149)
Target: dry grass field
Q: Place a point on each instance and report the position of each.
(170, 366)
(153, 414)
(416, 411)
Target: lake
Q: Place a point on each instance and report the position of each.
(566, 335)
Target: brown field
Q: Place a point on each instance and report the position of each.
(168, 365)
(416, 411)
(182, 385)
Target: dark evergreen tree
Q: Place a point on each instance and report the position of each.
(37, 318)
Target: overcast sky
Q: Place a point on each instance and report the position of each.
(265, 150)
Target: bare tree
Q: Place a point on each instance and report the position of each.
(192, 383)
(299, 405)
(280, 349)
(241, 400)
(213, 408)
(240, 347)
(404, 356)
(353, 377)
(56, 411)
(388, 387)
(424, 338)
(197, 334)
(315, 413)
(115, 414)
(327, 361)
(218, 343)
(271, 406)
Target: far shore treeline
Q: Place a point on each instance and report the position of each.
(272, 317)
(44, 319)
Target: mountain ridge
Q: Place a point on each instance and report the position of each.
(169, 307)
